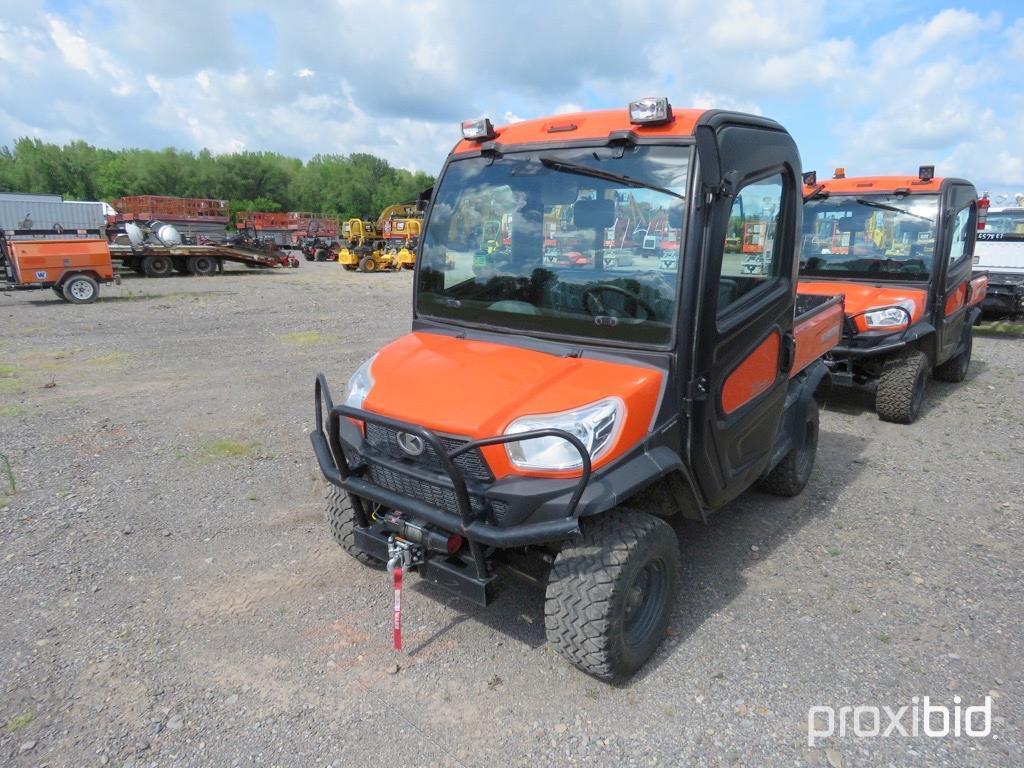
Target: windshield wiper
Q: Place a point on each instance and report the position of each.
(582, 170)
(893, 208)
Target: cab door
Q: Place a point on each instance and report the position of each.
(744, 336)
(955, 254)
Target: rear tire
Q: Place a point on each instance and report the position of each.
(610, 593)
(157, 266)
(955, 369)
(790, 476)
(367, 264)
(202, 265)
(341, 518)
(80, 289)
(901, 388)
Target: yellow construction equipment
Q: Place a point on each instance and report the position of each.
(388, 243)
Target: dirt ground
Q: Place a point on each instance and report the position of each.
(171, 595)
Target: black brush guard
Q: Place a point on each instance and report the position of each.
(468, 522)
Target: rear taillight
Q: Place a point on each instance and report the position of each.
(455, 542)
(983, 204)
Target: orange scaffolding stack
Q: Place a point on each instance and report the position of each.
(157, 207)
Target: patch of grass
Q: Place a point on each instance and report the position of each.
(301, 338)
(18, 722)
(7, 473)
(9, 379)
(225, 448)
(11, 411)
(1000, 328)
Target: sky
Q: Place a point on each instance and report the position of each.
(875, 86)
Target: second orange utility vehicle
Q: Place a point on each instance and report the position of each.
(550, 418)
(899, 248)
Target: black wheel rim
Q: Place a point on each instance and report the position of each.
(645, 602)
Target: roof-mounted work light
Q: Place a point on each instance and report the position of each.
(926, 172)
(840, 173)
(478, 130)
(653, 110)
(811, 178)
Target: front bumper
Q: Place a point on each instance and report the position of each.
(534, 511)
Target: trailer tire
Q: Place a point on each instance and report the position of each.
(955, 369)
(789, 477)
(611, 592)
(341, 518)
(202, 266)
(367, 264)
(157, 266)
(80, 289)
(901, 388)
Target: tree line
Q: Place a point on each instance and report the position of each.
(353, 185)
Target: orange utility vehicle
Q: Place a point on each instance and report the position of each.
(900, 249)
(72, 266)
(550, 418)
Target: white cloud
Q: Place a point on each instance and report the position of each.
(88, 57)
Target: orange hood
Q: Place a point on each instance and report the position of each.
(861, 297)
(476, 388)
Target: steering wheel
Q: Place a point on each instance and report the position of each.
(591, 295)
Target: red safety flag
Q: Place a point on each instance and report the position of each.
(398, 607)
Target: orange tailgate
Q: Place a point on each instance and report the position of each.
(816, 333)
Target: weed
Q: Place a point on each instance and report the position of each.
(18, 722)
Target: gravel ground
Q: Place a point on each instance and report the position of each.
(171, 595)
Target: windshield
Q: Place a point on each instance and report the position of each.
(1005, 223)
(875, 237)
(571, 242)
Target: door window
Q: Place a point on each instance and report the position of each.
(751, 258)
(961, 231)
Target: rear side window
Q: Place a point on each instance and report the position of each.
(751, 258)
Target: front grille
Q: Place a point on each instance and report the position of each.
(472, 464)
(435, 495)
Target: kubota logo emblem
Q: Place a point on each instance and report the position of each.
(411, 444)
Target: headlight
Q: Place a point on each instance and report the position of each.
(359, 385)
(596, 425)
(890, 317)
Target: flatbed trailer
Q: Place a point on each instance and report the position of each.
(162, 260)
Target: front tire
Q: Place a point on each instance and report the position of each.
(789, 477)
(341, 518)
(955, 369)
(610, 593)
(367, 264)
(80, 289)
(901, 388)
